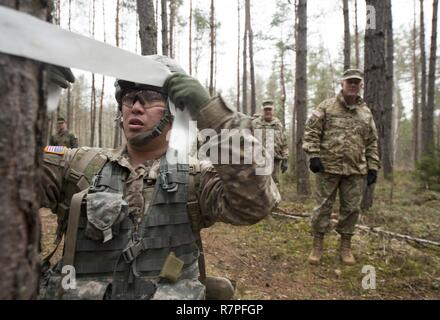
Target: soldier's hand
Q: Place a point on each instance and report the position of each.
(316, 165)
(186, 92)
(60, 76)
(284, 165)
(371, 177)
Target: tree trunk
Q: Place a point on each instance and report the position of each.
(387, 116)
(190, 37)
(347, 41)
(165, 43)
(238, 56)
(101, 106)
(69, 103)
(428, 124)
(283, 88)
(117, 136)
(356, 35)
(423, 108)
(92, 112)
(21, 158)
(416, 107)
(244, 85)
(172, 25)
(93, 91)
(251, 57)
(211, 62)
(302, 171)
(147, 27)
(375, 80)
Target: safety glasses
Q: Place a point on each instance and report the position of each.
(143, 96)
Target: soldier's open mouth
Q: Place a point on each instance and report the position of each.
(135, 124)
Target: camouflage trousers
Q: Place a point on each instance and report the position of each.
(276, 170)
(350, 196)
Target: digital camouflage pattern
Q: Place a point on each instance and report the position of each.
(228, 193)
(281, 147)
(350, 196)
(343, 137)
(64, 138)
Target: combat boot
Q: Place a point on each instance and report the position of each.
(318, 244)
(345, 250)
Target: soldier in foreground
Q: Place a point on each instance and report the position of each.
(267, 121)
(340, 139)
(131, 218)
(63, 137)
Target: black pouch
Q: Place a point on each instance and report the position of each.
(105, 212)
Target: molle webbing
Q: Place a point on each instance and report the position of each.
(165, 227)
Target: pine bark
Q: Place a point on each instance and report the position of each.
(23, 135)
(302, 172)
(165, 42)
(375, 71)
(147, 27)
(347, 45)
(428, 124)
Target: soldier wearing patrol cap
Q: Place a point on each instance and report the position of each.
(340, 139)
(268, 121)
(132, 218)
(63, 137)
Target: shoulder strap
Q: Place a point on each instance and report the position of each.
(194, 213)
(72, 227)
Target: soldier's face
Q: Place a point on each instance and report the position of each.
(140, 117)
(351, 87)
(268, 114)
(61, 126)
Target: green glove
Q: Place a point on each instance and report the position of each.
(284, 165)
(186, 92)
(60, 76)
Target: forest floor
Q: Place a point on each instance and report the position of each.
(269, 260)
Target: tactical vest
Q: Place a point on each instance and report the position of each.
(105, 242)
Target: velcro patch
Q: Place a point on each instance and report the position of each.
(317, 113)
(61, 150)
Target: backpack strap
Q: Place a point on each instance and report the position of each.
(195, 214)
(72, 227)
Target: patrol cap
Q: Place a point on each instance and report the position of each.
(352, 74)
(60, 120)
(268, 104)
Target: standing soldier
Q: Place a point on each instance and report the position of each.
(281, 150)
(131, 218)
(63, 137)
(341, 141)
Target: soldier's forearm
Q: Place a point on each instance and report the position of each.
(235, 193)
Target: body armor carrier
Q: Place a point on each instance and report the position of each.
(124, 257)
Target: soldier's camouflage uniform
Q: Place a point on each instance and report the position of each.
(281, 149)
(64, 138)
(345, 139)
(227, 193)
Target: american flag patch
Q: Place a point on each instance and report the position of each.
(61, 150)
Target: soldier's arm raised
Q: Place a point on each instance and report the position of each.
(233, 193)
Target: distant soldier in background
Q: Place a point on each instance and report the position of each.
(340, 140)
(63, 137)
(267, 120)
